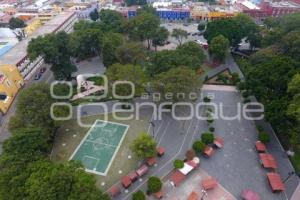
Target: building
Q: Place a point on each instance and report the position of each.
(210, 13)
(173, 14)
(16, 58)
(10, 83)
(280, 8)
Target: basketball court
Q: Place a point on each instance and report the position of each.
(100, 145)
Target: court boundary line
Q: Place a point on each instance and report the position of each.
(116, 150)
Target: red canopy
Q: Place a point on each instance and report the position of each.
(159, 194)
(114, 191)
(193, 196)
(142, 170)
(133, 176)
(260, 147)
(208, 151)
(126, 182)
(160, 151)
(177, 177)
(250, 195)
(275, 182)
(219, 142)
(268, 160)
(151, 161)
(209, 183)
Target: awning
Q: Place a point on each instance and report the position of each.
(177, 177)
(209, 183)
(275, 182)
(267, 160)
(260, 147)
(250, 195)
(142, 170)
(208, 151)
(219, 142)
(160, 151)
(193, 196)
(186, 169)
(126, 182)
(114, 191)
(133, 176)
(151, 161)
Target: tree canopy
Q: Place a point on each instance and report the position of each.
(219, 47)
(16, 23)
(144, 146)
(179, 34)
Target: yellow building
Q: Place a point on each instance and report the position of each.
(10, 83)
(205, 13)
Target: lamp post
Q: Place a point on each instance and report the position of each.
(290, 174)
(153, 125)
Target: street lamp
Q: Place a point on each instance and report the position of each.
(153, 125)
(290, 174)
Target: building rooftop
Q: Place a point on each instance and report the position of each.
(19, 51)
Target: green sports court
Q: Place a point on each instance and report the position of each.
(100, 145)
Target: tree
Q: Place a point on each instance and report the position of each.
(33, 108)
(254, 38)
(28, 144)
(132, 73)
(113, 21)
(218, 47)
(160, 37)
(55, 49)
(139, 195)
(94, 15)
(131, 53)
(154, 184)
(201, 27)
(143, 27)
(189, 55)
(199, 146)
(207, 138)
(144, 146)
(179, 82)
(190, 154)
(234, 29)
(178, 164)
(291, 44)
(16, 23)
(111, 41)
(86, 42)
(263, 137)
(179, 34)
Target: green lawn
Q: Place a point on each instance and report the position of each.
(70, 134)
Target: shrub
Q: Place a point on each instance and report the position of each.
(178, 164)
(263, 137)
(199, 146)
(211, 129)
(207, 138)
(190, 154)
(247, 100)
(206, 99)
(154, 184)
(246, 94)
(139, 195)
(210, 120)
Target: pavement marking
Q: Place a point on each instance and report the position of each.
(163, 133)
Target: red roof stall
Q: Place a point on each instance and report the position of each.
(151, 161)
(193, 196)
(126, 182)
(160, 151)
(209, 183)
(219, 142)
(133, 176)
(275, 182)
(159, 195)
(250, 195)
(208, 151)
(260, 147)
(177, 177)
(267, 161)
(114, 191)
(142, 170)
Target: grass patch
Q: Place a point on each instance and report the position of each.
(296, 162)
(70, 134)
